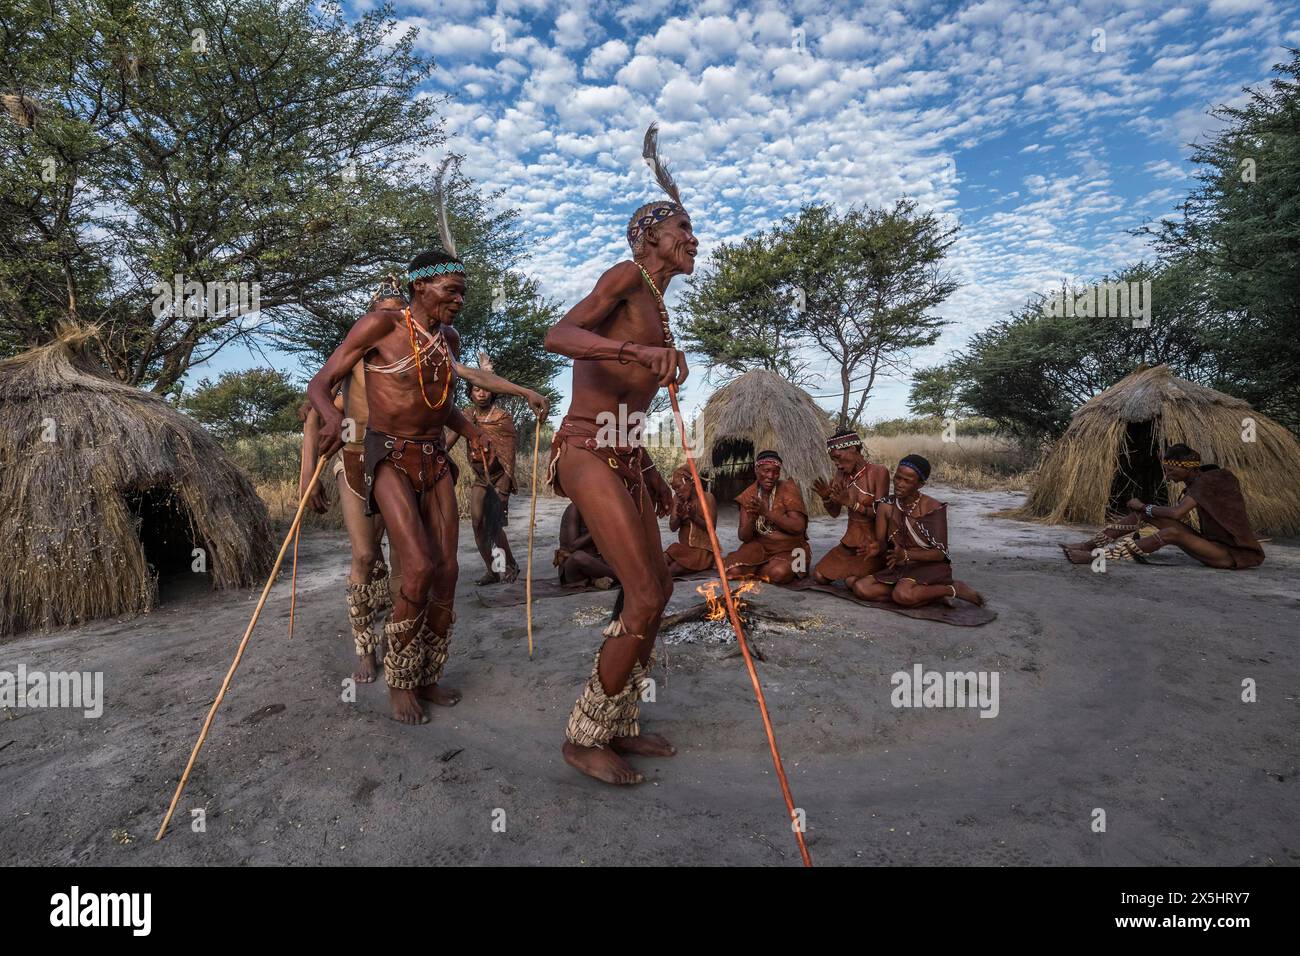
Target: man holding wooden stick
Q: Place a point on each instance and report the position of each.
(623, 352)
(411, 363)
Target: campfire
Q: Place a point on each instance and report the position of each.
(717, 605)
(708, 623)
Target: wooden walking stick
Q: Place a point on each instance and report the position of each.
(239, 653)
(293, 580)
(532, 524)
(740, 634)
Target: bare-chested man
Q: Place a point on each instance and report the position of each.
(498, 480)
(368, 590)
(411, 365)
(623, 352)
(691, 519)
(857, 487)
(773, 527)
(912, 532)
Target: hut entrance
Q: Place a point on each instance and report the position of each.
(1138, 473)
(167, 535)
(733, 468)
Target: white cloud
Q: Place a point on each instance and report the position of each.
(604, 58)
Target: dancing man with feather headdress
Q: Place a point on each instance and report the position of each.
(411, 363)
(623, 352)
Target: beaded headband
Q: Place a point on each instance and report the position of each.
(647, 216)
(428, 272)
(836, 442)
(1184, 462)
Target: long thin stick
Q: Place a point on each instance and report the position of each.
(740, 633)
(225, 684)
(532, 524)
(293, 585)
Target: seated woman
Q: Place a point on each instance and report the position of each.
(1224, 541)
(773, 527)
(912, 531)
(576, 558)
(858, 485)
(691, 552)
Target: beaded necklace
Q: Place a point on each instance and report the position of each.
(669, 341)
(419, 363)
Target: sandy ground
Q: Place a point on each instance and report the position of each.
(1118, 691)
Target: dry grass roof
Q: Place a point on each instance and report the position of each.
(766, 410)
(1074, 482)
(75, 447)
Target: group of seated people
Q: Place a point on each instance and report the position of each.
(894, 549)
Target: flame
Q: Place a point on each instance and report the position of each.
(717, 605)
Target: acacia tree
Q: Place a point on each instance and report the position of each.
(246, 404)
(258, 141)
(866, 283)
(740, 315)
(856, 291)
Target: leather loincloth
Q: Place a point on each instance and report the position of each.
(423, 461)
(350, 464)
(629, 462)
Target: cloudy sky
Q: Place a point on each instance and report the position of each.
(1045, 130)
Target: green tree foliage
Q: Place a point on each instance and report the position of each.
(1240, 229)
(855, 291)
(935, 393)
(259, 141)
(742, 315)
(1030, 371)
(246, 404)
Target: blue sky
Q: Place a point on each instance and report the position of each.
(1046, 131)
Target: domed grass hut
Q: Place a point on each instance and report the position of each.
(104, 488)
(757, 411)
(1112, 450)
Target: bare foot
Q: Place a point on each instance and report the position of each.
(968, 593)
(442, 696)
(366, 670)
(511, 574)
(1076, 556)
(406, 707)
(490, 577)
(646, 745)
(602, 584)
(601, 763)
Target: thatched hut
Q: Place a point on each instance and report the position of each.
(1112, 450)
(761, 410)
(104, 488)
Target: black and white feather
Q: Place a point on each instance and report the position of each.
(444, 225)
(650, 153)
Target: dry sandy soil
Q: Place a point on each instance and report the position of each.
(1119, 691)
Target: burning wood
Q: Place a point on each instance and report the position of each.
(717, 606)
